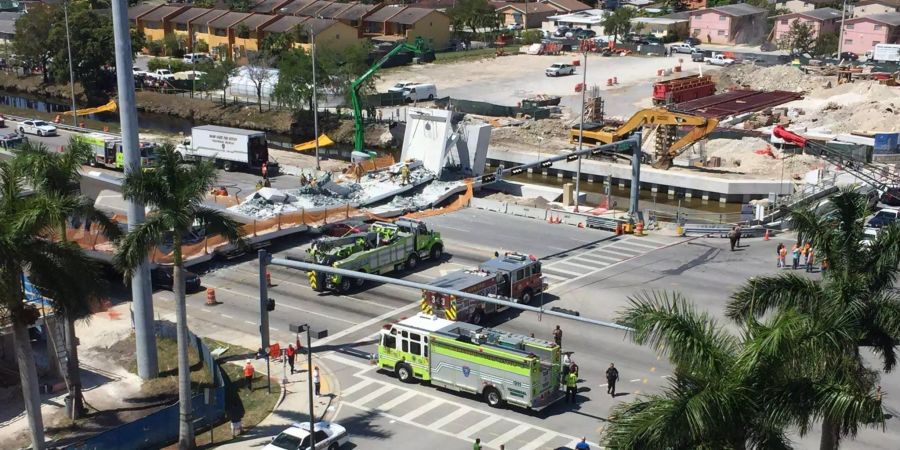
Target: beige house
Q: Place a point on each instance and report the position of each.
(870, 7)
(660, 26)
(798, 6)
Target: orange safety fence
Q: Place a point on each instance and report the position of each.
(461, 201)
(378, 163)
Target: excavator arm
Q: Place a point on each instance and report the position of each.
(418, 46)
(702, 127)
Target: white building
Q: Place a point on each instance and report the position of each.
(590, 19)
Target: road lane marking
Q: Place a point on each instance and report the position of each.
(285, 305)
(509, 435)
(635, 380)
(373, 395)
(249, 322)
(556, 269)
(422, 409)
(365, 382)
(480, 425)
(397, 401)
(365, 324)
(443, 421)
(227, 316)
(539, 441)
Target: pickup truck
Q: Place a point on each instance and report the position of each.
(718, 60)
(161, 74)
(684, 48)
(558, 69)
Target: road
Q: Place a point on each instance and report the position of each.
(589, 271)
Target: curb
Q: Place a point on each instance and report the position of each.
(335, 386)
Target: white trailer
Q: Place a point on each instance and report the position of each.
(886, 53)
(230, 148)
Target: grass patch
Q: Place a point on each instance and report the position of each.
(468, 55)
(167, 356)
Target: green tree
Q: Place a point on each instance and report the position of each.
(294, 87)
(259, 71)
(858, 287)
(201, 46)
(826, 45)
(175, 192)
(174, 45)
(204, 3)
(339, 69)
(799, 39)
(473, 14)
(32, 33)
(239, 5)
(60, 270)
(57, 174)
(243, 31)
(216, 76)
(276, 44)
(618, 23)
(729, 391)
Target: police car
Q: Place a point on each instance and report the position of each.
(330, 436)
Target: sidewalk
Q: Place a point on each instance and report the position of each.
(294, 404)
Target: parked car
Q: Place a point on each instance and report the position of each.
(849, 56)
(719, 60)
(561, 31)
(514, 26)
(163, 277)
(684, 48)
(584, 34)
(161, 75)
(12, 141)
(699, 56)
(692, 41)
(559, 69)
(328, 435)
(891, 197)
(414, 92)
(193, 58)
(38, 127)
(883, 218)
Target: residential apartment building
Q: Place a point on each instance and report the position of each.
(729, 24)
(862, 34)
(871, 7)
(821, 21)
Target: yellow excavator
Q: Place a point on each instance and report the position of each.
(667, 147)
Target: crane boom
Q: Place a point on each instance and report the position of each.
(417, 47)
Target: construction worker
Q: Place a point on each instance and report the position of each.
(404, 174)
(612, 376)
(291, 354)
(358, 171)
(824, 265)
(248, 375)
(571, 386)
(557, 336)
(303, 180)
(809, 260)
(795, 253)
(477, 445)
(265, 170)
(317, 381)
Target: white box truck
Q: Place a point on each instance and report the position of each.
(229, 148)
(886, 53)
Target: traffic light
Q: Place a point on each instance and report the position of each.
(270, 305)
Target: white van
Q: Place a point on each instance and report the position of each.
(415, 92)
(193, 58)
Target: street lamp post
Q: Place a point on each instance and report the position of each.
(312, 48)
(300, 328)
(841, 34)
(71, 71)
(581, 131)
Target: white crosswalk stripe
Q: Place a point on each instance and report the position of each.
(505, 429)
(579, 264)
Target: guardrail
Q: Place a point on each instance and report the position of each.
(720, 230)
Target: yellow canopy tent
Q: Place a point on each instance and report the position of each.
(324, 141)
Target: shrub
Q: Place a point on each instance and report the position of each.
(155, 48)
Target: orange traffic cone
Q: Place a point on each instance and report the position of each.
(211, 297)
(766, 236)
(268, 279)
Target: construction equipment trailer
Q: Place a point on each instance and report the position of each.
(513, 276)
(683, 89)
(499, 366)
(386, 247)
(419, 47)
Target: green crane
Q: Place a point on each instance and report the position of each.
(418, 47)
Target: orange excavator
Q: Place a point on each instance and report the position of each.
(668, 145)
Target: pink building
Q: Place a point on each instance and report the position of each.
(729, 24)
(821, 21)
(861, 34)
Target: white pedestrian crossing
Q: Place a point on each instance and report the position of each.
(575, 265)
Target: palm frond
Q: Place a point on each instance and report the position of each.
(883, 258)
(762, 294)
(51, 267)
(691, 340)
(140, 240)
(217, 223)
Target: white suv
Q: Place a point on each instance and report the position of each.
(558, 69)
(38, 127)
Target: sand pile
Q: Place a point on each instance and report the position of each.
(860, 106)
(741, 156)
(544, 135)
(775, 78)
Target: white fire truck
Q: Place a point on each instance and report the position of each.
(513, 276)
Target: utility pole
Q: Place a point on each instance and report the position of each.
(581, 131)
(71, 71)
(142, 300)
(841, 34)
(264, 312)
(312, 35)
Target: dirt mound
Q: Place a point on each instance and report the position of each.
(741, 156)
(544, 135)
(775, 78)
(207, 111)
(863, 106)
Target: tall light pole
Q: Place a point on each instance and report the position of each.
(581, 130)
(301, 328)
(71, 71)
(312, 48)
(142, 301)
(841, 34)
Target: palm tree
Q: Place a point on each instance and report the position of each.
(175, 191)
(727, 392)
(57, 174)
(60, 270)
(858, 286)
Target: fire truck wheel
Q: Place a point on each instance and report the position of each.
(436, 252)
(412, 262)
(527, 296)
(359, 283)
(345, 284)
(492, 397)
(404, 373)
(478, 317)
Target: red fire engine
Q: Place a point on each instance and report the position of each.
(513, 276)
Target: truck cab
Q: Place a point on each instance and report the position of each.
(521, 273)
